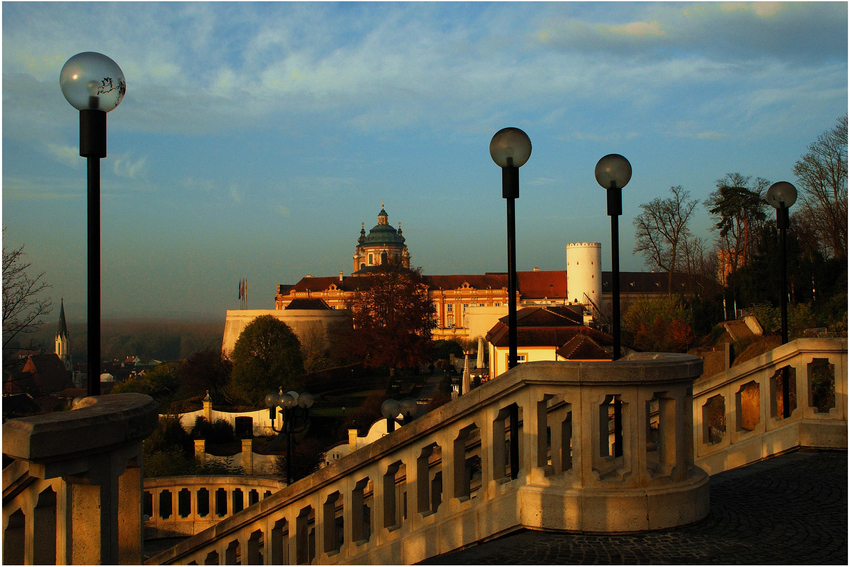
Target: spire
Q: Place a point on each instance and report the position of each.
(63, 326)
(60, 342)
(383, 217)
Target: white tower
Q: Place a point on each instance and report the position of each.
(584, 273)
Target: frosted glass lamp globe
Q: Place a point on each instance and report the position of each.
(510, 147)
(613, 171)
(92, 81)
(781, 195)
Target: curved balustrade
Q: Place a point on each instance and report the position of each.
(186, 505)
(739, 413)
(583, 446)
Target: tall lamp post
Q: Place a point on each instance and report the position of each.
(510, 148)
(781, 196)
(613, 172)
(288, 403)
(94, 85)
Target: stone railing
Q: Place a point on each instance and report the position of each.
(186, 505)
(739, 413)
(73, 495)
(580, 446)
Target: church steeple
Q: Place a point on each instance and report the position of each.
(61, 339)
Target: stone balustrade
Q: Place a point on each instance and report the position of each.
(186, 505)
(73, 493)
(739, 417)
(578, 446)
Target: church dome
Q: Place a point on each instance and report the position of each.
(383, 244)
(382, 234)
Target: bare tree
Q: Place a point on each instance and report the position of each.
(23, 304)
(822, 179)
(701, 266)
(662, 229)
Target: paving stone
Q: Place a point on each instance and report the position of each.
(790, 509)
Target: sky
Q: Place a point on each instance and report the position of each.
(255, 138)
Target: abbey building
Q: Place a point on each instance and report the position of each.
(468, 305)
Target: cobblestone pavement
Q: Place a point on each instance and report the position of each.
(786, 510)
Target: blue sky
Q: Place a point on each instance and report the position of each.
(256, 137)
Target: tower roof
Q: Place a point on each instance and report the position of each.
(382, 234)
(63, 327)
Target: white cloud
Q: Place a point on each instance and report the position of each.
(67, 155)
(124, 166)
(236, 194)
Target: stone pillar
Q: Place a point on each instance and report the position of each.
(201, 451)
(208, 407)
(130, 531)
(98, 501)
(248, 456)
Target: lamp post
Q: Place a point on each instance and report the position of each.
(781, 196)
(613, 172)
(510, 148)
(391, 409)
(94, 85)
(288, 403)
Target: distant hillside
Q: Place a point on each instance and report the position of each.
(160, 339)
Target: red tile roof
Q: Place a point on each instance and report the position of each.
(544, 326)
(583, 347)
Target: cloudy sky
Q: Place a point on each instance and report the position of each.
(256, 137)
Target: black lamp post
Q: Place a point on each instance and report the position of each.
(510, 148)
(94, 85)
(781, 196)
(288, 403)
(613, 172)
(391, 409)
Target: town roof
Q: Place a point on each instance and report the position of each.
(477, 281)
(542, 284)
(583, 347)
(545, 327)
(42, 374)
(314, 304)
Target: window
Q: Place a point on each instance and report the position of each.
(371, 260)
(449, 308)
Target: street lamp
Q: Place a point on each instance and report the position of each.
(781, 196)
(288, 403)
(391, 409)
(613, 172)
(510, 148)
(94, 85)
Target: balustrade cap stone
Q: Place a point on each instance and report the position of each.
(99, 424)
